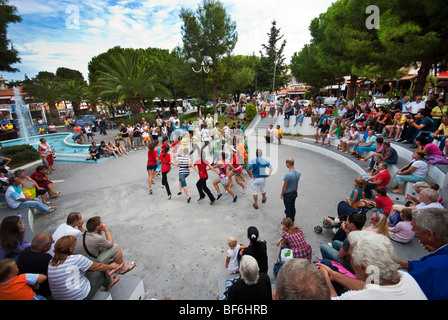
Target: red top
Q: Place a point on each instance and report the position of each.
(236, 165)
(385, 203)
(152, 157)
(165, 159)
(202, 168)
(385, 176)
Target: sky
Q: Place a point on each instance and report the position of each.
(69, 33)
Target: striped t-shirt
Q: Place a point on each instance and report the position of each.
(184, 164)
(68, 281)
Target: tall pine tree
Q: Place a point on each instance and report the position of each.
(8, 55)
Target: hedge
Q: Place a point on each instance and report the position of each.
(20, 155)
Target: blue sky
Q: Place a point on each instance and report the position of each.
(68, 33)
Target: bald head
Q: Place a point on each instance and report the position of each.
(41, 242)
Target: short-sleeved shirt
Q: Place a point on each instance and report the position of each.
(385, 203)
(12, 195)
(95, 243)
(292, 177)
(67, 280)
(165, 160)
(298, 245)
(384, 176)
(152, 158)
(202, 168)
(18, 288)
(421, 168)
(258, 167)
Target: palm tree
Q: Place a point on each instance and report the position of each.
(75, 92)
(47, 90)
(131, 78)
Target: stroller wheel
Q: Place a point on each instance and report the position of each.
(318, 229)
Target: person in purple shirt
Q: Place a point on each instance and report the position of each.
(12, 237)
(430, 271)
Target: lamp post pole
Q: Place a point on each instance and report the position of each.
(205, 68)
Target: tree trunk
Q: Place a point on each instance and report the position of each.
(352, 88)
(54, 113)
(421, 79)
(134, 105)
(76, 108)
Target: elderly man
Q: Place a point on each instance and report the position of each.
(299, 279)
(72, 227)
(92, 244)
(373, 259)
(253, 285)
(35, 259)
(430, 226)
(16, 199)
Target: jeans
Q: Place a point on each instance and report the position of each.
(182, 179)
(289, 200)
(37, 204)
(331, 252)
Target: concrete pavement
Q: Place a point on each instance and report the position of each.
(179, 247)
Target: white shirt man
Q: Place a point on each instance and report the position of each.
(417, 105)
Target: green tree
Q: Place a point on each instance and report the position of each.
(415, 32)
(74, 90)
(208, 32)
(8, 55)
(130, 78)
(272, 62)
(44, 88)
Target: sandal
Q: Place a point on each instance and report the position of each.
(128, 267)
(113, 281)
(255, 206)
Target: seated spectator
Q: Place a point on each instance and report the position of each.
(383, 119)
(390, 155)
(293, 238)
(333, 134)
(403, 232)
(379, 150)
(381, 179)
(41, 177)
(430, 271)
(353, 139)
(35, 259)
(439, 111)
(94, 152)
(415, 171)
(64, 264)
(72, 227)
(395, 107)
(18, 287)
(378, 223)
(382, 201)
(27, 182)
(257, 249)
(52, 128)
(368, 146)
(299, 279)
(92, 244)
(422, 125)
(16, 199)
(394, 129)
(324, 128)
(442, 134)
(427, 147)
(253, 284)
(428, 198)
(337, 250)
(12, 237)
(369, 249)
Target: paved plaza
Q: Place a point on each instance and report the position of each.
(179, 247)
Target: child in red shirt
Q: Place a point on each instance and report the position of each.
(382, 201)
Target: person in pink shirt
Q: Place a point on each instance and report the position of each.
(428, 147)
(402, 232)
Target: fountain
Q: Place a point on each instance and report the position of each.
(23, 115)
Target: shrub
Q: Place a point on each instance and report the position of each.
(251, 111)
(20, 155)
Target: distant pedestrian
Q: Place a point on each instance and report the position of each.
(289, 190)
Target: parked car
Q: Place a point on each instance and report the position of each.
(83, 119)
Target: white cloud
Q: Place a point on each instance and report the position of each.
(141, 24)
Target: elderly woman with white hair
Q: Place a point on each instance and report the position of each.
(374, 261)
(253, 284)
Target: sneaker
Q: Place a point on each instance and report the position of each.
(201, 198)
(188, 200)
(212, 202)
(244, 190)
(235, 198)
(169, 197)
(150, 191)
(219, 196)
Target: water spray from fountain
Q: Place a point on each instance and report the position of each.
(23, 115)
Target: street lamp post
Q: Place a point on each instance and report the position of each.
(205, 68)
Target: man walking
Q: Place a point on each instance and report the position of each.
(289, 190)
(257, 172)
